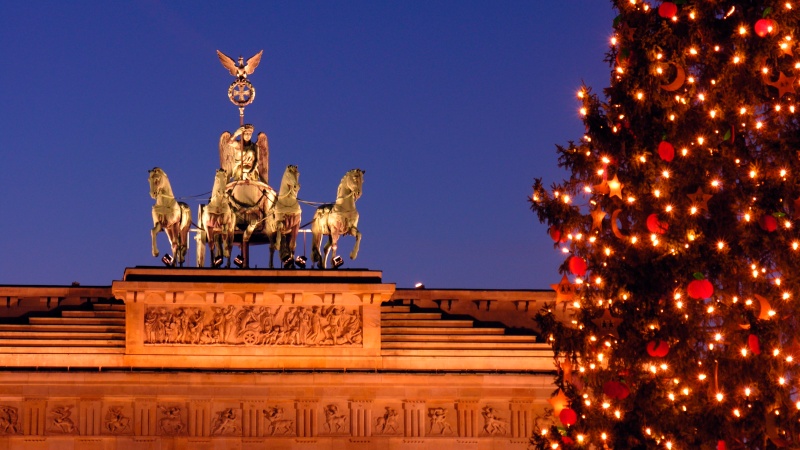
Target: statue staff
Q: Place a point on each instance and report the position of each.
(241, 92)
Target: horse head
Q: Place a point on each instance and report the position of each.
(351, 184)
(156, 177)
(220, 181)
(290, 183)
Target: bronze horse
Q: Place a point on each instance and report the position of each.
(169, 215)
(218, 222)
(338, 219)
(284, 219)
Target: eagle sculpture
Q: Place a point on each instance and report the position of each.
(240, 70)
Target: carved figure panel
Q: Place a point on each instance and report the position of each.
(277, 422)
(299, 326)
(118, 420)
(171, 420)
(493, 424)
(60, 420)
(9, 420)
(336, 421)
(227, 422)
(388, 423)
(438, 425)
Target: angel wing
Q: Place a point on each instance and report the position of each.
(252, 63)
(226, 154)
(263, 155)
(230, 64)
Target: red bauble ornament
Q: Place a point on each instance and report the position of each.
(577, 266)
(721, 445)
(698, 289)
(765, 26)
(568, 416)
(768, 223)
(555, 234)
(668, 10)
(616, 390)
(755, 346)
(656, 226)
(566, 440)
(657, 349)
(666, 151)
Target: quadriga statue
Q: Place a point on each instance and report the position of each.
(338, 219)
(169, 215)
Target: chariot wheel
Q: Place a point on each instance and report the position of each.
(250, 338)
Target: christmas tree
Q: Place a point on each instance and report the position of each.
(677, 319)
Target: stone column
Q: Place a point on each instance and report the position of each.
(306, 423)
(521, 418)
(361, 417)
(468, 422)
(144, 420)
(90, 417)
(414, 418)
(253, 419)
(199, 418)
(34, 412)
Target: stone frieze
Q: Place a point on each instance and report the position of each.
(302, 326)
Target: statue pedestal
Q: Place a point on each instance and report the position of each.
(252, 318)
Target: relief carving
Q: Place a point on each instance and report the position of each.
(60, 421)
(438, 421)
(335, 422)
(277, 424)
(171, 422)
(116, 422)
(298, 326)
(492, 424)
(387, 423)
(227, 423)
(9, 420)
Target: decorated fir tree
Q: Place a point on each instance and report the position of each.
(677, 319)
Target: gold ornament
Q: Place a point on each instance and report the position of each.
(597, 219)
(615, 188)
(614, 227)
(700, 198)
(559, 402)
(784, 85)
(565, 291)
(607, 324)
(680, 78)
(601, 188)
(763, 308)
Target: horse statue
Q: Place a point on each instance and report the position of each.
(169, 215)
(218, 222)
(284, 219)
(338, 219)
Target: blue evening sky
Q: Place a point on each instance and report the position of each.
(451, 107)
